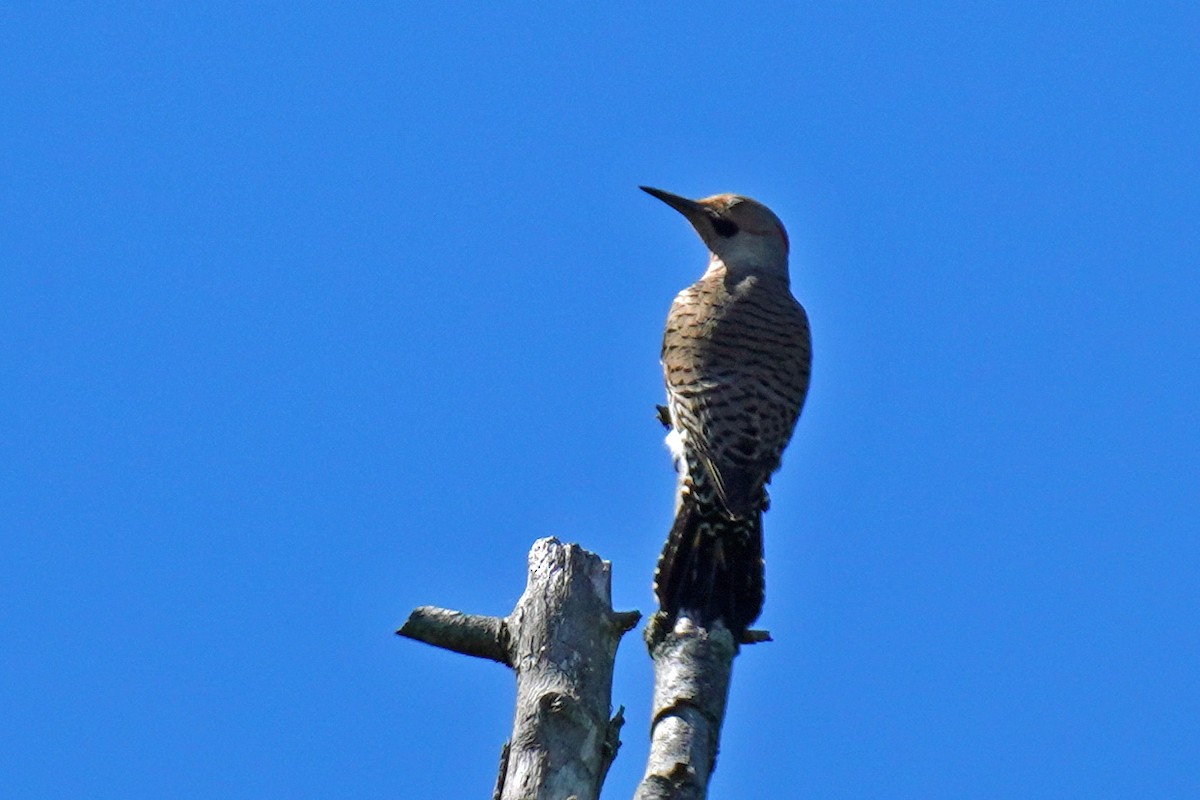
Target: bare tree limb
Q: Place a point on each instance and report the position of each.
(692, 668)
(469, 634)
(561, 640)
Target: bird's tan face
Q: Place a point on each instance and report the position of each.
(740, 231)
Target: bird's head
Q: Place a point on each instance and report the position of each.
(742, 233)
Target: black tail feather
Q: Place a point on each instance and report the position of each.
(712, 567)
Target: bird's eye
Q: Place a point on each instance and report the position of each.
(724, 227)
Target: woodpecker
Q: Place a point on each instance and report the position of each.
(736, 357)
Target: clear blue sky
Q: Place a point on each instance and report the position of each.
(312, 315)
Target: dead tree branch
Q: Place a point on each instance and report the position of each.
(560, 640)
(692, 669)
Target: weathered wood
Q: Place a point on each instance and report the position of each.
(560, 640)
(470, 634)
(692, 668)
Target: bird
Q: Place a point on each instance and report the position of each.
(736, 358)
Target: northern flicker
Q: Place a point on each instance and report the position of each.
(736, 357)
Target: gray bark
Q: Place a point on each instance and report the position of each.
(561, 640)
(692, 670)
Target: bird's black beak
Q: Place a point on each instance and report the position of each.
(689, 208)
